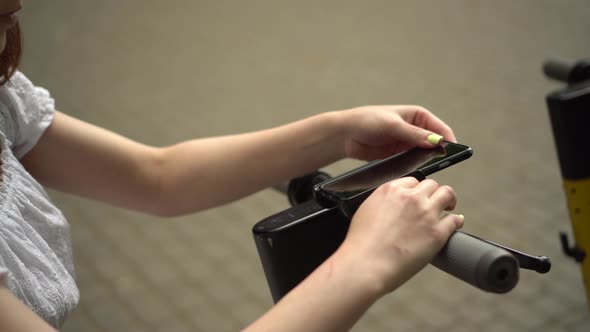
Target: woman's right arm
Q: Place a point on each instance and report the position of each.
(392, 236)
(16, 317)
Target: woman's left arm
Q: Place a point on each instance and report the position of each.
(79, 158)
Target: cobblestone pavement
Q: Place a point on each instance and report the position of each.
(164, 71)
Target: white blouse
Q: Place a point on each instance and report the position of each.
(35, 250)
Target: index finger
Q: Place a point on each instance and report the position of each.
(406, 182)
(433, 123)
(444, 198)
(427, 120)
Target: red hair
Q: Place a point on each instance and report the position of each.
(10, 57)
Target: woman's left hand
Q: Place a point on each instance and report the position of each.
(376, 132)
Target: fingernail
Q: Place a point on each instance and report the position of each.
(434, 139)
(462, 217)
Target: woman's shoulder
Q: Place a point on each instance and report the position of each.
(29, 93)
(31, 109)
(19, 82)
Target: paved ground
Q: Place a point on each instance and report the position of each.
(162, 71)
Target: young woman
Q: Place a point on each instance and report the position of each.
(393, 235)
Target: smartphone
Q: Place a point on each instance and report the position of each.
(349, 190)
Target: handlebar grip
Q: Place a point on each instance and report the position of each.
(558, 70)
(478, 263)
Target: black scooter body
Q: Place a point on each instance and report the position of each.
(293, 242)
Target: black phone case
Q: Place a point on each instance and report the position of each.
(350, 205)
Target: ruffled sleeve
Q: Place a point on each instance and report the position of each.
(33, 113)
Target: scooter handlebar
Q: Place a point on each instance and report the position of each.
(478, 263)
(466, 257)
(558, 69)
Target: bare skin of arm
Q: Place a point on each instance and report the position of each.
(16, 317)
(80, 158)
(83, 159)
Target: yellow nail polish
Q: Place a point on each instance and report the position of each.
(434, 139)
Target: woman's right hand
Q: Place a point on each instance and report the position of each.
(392, 236)
(399, 229)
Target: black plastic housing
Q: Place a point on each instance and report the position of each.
(570, 117)
(294, 242)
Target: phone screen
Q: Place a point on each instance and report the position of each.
(374, 174)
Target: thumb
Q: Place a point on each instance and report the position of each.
(417, 136)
